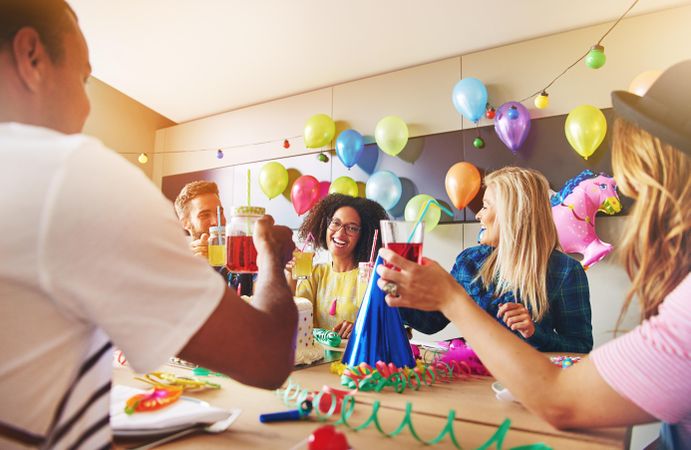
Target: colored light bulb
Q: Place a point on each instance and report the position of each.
(323, 158)
(219, 154)
(512, 113)
(478, 142)
(143, 158)
(596, 57)
(490, 113)
(542, 100)
(286, 143)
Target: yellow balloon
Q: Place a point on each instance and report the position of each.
(585, 129)
(391, 135)
(319, 131)
(415, 207)
(273, 179)
(345, 186)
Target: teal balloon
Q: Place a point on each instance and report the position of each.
(385, 188)
(469, 97)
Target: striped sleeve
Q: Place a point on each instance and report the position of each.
(651, 365)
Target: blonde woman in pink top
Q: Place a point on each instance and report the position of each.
(644, 375)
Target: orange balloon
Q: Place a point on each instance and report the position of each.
(462, 183)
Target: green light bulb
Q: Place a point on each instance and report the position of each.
(596, 57)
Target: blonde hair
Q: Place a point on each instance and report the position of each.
(190, 192)
(656, 247)
(527, 237)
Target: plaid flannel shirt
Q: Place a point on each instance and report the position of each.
(565, 328)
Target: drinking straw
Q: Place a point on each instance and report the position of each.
(248, 187)
(422, 216)
(218, 216)
(374, 247)
(310, 237)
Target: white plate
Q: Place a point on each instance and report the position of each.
(502, 393)
(184, 413)
(149, 433)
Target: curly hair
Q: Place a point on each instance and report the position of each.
(190, 192)
(317, 221)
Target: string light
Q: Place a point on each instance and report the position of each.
(542, 100)
(219, 152)
(598, 58)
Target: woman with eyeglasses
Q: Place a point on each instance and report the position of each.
(344, 226)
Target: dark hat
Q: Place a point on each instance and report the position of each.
(665, 110)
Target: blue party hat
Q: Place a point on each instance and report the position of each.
(378, 333)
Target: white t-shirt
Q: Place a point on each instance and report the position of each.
(91, 257)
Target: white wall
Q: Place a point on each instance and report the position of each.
(421, 96)
(123, 124)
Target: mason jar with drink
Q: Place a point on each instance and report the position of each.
(241, 253)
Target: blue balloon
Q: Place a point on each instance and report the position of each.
(469, 97)
(349, 147)
(385, 188)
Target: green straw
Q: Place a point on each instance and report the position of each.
(444, 209)
(248, 187)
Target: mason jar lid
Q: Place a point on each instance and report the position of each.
(220, 230)
(248, 211)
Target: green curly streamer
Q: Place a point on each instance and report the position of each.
(326, 337)
(293, 395)
(375, 381)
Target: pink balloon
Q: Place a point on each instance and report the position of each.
(304, 193)
(324, 189)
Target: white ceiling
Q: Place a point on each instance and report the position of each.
(188, 59)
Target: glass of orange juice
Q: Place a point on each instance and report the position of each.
(302, 269)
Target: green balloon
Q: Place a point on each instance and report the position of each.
(415, 207)
(391, 135)
(345, 186)
(319, 131)
(273, 179)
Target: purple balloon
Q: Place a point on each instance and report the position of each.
(512, 132)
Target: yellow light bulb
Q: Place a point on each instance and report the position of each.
(143, 158)
(542, 101)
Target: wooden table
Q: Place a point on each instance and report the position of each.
(478, 414)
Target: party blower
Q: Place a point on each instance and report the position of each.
(378, 332)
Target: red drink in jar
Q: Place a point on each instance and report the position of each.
(242, 256)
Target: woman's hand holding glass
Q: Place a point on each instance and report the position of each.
(517, 317)
(427, 286)
(344, 329)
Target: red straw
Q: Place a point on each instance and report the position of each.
(374, 246)
(310, 237)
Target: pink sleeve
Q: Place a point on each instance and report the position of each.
(651, 365)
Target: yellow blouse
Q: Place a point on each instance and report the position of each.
(326, 286)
